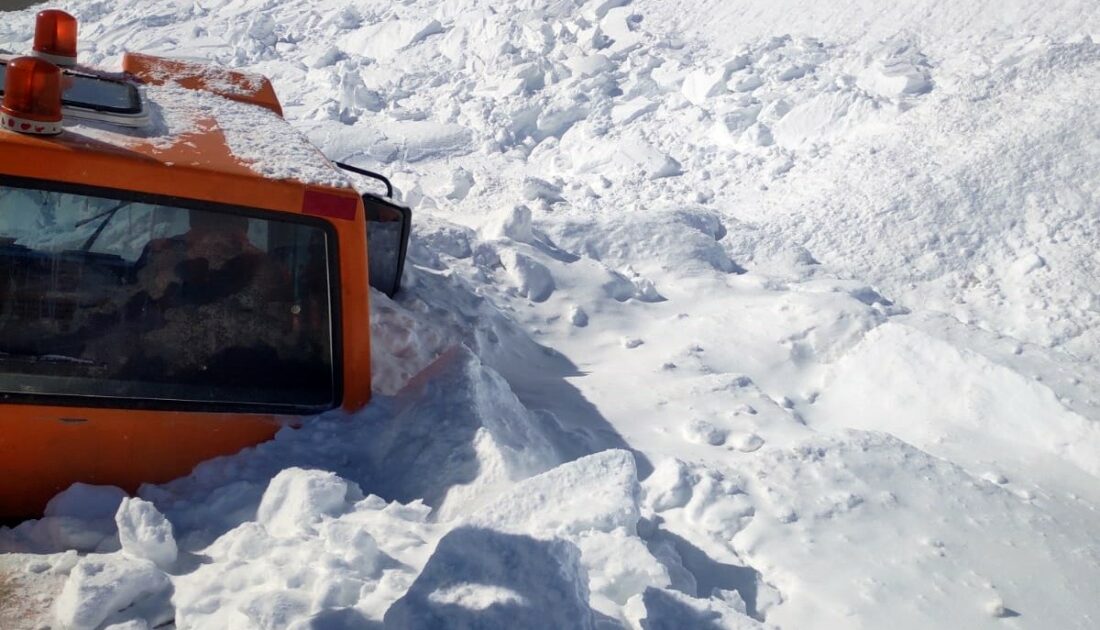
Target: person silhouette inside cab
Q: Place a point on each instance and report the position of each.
(213, 260)
(212, 306)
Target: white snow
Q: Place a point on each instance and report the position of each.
(144, 533)
(296, 500)
(102, 590)
(718, 314)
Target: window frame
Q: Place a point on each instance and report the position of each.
(136, 106)
(161, 404)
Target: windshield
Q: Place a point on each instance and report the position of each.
(118, 299)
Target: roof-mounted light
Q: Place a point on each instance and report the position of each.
(55, 37)
(32, 97)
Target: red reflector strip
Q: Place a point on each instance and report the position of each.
(323, 204)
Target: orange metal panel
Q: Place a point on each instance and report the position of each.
(236, 86)
(44, 450)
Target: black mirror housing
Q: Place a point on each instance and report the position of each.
(388, 228)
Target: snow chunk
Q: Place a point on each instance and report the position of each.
(577, 316)
(651, 240)
(514, 224)
(632, 153)
(256, 580)
(532, 278)
(388, 39)
(620, 565)
(654, 163)
(297, 499)
(100, 586)
(599, 8)
(1028, 263)
(479, 578)
(822, 117)
(899, 70)
(589, 65)
(535, 189)
(416, 140)
(145, 533)
(558, 117)
(747, 83)
(758, 134)
(619, 24)
(669, 486)
(599, 492)
(700, 85)
(631, 110)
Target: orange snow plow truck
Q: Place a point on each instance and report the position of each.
(181, 272)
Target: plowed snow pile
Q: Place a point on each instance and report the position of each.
(720, 314)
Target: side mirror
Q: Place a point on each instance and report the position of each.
(388, 227)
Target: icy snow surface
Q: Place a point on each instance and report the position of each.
(720, 314)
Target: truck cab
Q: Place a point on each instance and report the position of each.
(181, 272)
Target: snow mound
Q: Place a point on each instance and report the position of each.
(976, 418)
(479, 578)
(86, 501)
(80, 517)
(464, 433)
(811, 502)
(652, 239)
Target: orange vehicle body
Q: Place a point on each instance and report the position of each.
(44, 449)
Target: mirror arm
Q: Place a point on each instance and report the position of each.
(370, 174)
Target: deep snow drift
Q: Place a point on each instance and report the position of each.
(719, 315)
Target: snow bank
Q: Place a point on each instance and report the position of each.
(939, 22)
(956, 401)
(665, 255)
(852, 511)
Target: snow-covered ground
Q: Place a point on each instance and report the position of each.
(721, 314)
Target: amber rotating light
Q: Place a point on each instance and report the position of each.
(32, 97)
(55, 37)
